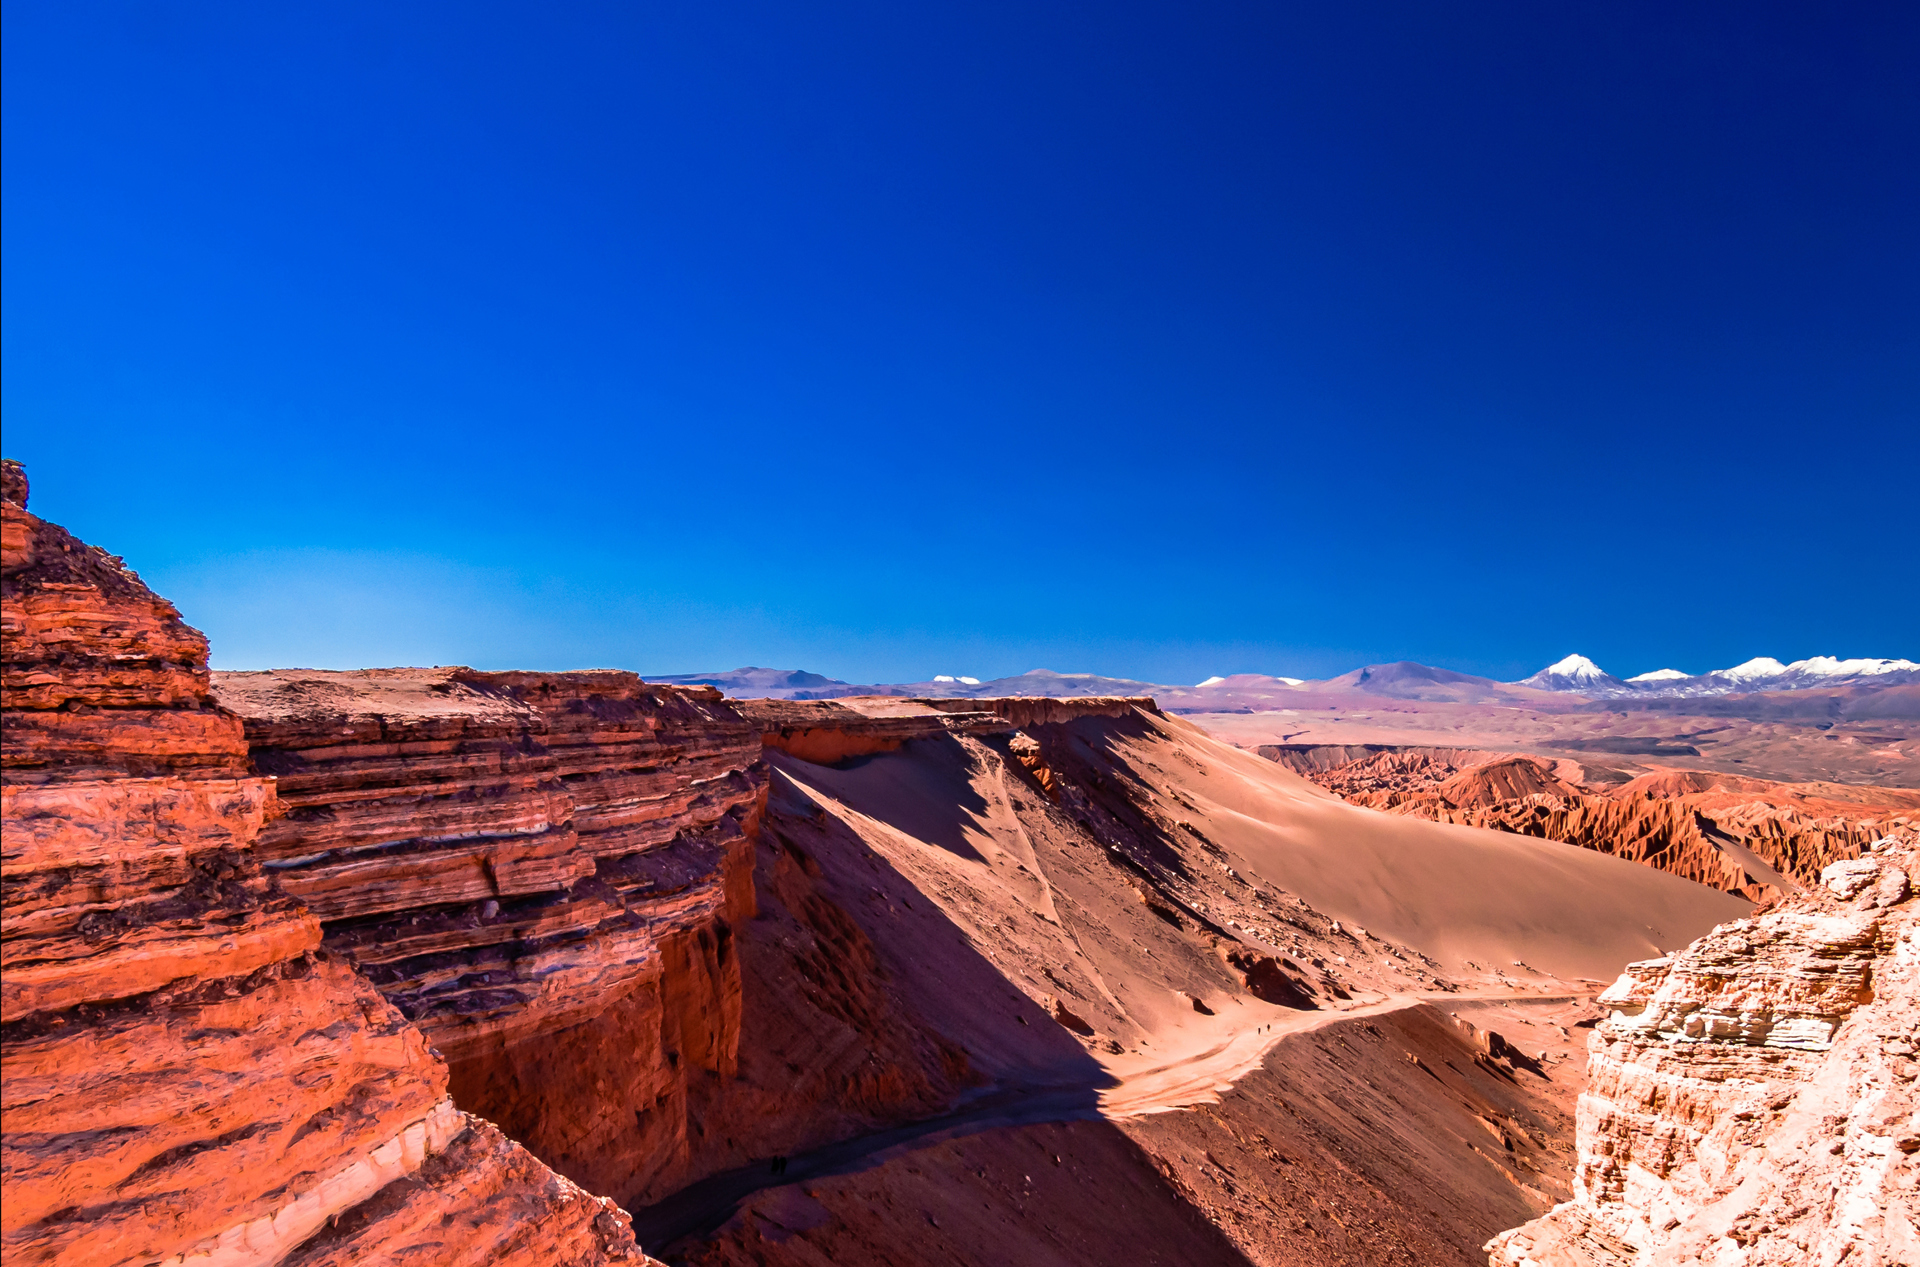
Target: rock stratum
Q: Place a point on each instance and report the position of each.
(543, 872)
(1757, 838)
(1751, 1098)
(190, 1074)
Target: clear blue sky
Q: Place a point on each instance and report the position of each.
(889, 340)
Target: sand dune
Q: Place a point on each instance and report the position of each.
(1121, 908)
(1065, 904)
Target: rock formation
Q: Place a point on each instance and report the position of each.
(189, 1074)
(824, 732)
(544, 872)
(1751, 837)
(1751, 1099)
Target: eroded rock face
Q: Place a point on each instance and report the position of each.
(1751, 1098)
(188, 1073)
(542, 871)
(1751, 837)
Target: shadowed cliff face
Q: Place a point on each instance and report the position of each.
(544, 872)
(187, 1071)
(1755, 838)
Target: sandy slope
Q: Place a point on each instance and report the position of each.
(1019, 875)
(1456, 893)
(1364, 1138)
(1109, 895)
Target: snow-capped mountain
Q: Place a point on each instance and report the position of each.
(1577, 674)
(1580, 676)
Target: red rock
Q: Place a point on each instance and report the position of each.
(482, 1199)
(1752, 837)
(185, 1074)
(543, 871)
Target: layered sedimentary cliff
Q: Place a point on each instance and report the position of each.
(545, 872)
(1750, 837)
(188, 1073)
(1751, 1099)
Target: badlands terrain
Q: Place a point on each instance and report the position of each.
(443, 965)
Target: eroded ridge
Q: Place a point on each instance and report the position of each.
(1751, 1098)
(188, 1074)
(1755, 838)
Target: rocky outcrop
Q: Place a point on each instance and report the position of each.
(188, 1073)
(544, 872)
(1751, 1098)
(826, 731)
(1044, 710)
(1751, 837)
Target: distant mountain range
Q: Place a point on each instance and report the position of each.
(756, 683)
(1574, 676)
(1578, 675)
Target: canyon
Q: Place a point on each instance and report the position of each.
(452, 965)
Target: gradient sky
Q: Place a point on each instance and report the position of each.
(890, 340)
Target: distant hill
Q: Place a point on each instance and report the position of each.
(1410, 681)
(757, 683)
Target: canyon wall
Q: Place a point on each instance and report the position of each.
(1751, 837)
(544, 872)
(554, 877)
(189, 1073)
(1751, 1099)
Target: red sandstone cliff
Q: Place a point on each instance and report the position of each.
(1751, 1099)
(545, 872)
(188, 1073)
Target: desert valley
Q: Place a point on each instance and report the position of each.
(1327, 638)
(434, 964)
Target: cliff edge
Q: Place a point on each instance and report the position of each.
(1751, 1098)
(189, 1074)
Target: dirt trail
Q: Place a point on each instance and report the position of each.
(1201, 1077)
(1197, 1078)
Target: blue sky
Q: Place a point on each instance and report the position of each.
(885, 341)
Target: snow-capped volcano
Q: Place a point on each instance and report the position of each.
(1825, 666)
(1575, 673)
(1578, 675)
(1759, 669)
